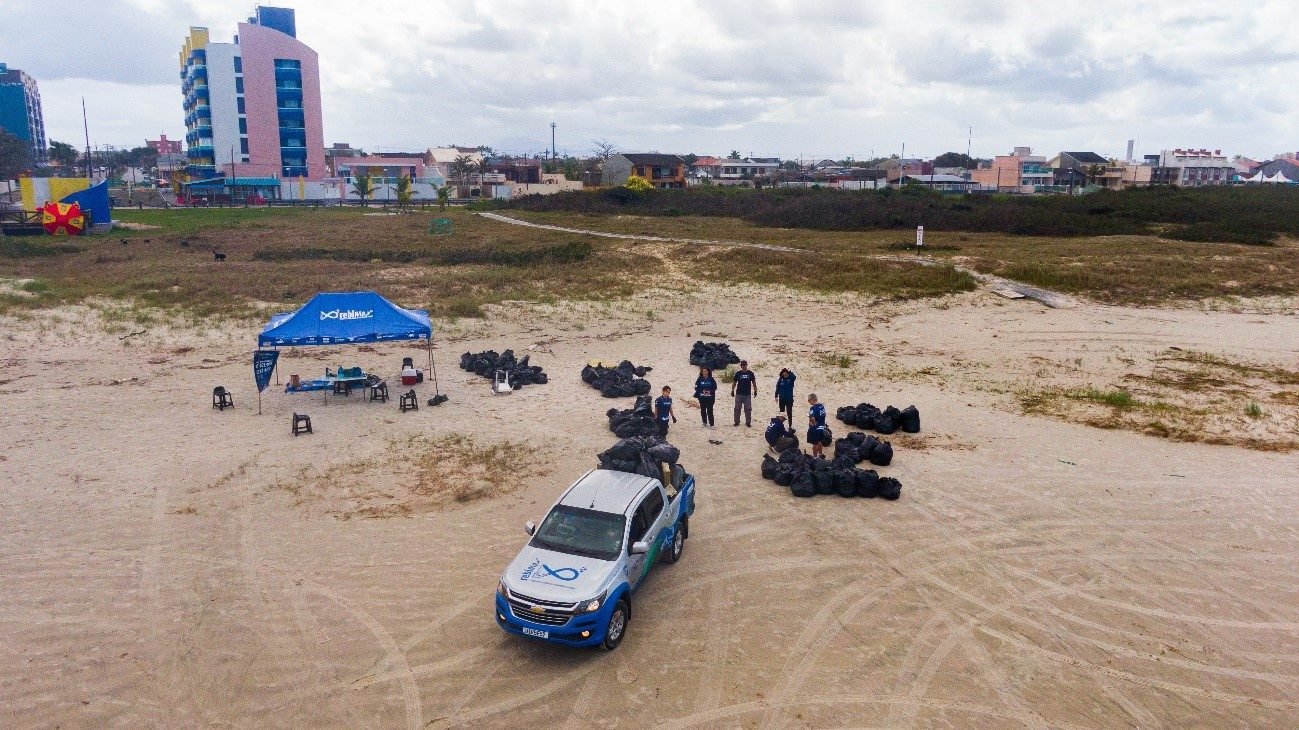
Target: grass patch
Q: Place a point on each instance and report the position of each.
(833, 272)
(23, 247)
(840, 361)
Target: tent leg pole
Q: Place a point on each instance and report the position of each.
(277, 369)
(433, 366)
(259, 403)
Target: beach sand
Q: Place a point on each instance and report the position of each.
(165, 564)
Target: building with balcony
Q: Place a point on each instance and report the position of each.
(663, 171)
(20, 111)
(1197, 168)
(252, 106)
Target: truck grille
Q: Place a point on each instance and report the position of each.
(557, 612)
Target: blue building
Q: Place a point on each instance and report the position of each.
(20, 110)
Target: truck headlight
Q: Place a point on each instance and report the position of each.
(590, 606)
(500, 589)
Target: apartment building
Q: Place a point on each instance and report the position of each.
(20, 111)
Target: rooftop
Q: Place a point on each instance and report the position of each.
(653, 158)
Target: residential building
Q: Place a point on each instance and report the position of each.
(164, 146)
(1003, 174)
(910, 166)
(1077, 170)
(1197, 168)
(706, 167)
(748, 168)
(20, 111)
(943, 183)
(444, 158)
(663, 171)
(252, 107)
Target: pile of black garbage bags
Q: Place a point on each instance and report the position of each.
(807, 476)
(644, 455)
(622, 381)
(713, 355)
(635, 421)
(868, 417)
(485, 364)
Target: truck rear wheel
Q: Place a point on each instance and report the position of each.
(617, 627)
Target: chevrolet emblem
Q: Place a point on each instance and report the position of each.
(538, 609)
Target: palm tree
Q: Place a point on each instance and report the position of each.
(363, 186)
(1094, 172)
(484, 166)
(461, 166)
(444, 196)
(405, 191)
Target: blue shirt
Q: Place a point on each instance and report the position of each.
(663, 407)
(705, 387)
(744, 382)
(785, 387)
(816, 414)
(775, 430)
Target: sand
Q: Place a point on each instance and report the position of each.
(165, 564)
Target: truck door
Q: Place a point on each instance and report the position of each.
(646, 525)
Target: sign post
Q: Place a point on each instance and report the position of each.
(920, 236)
(263, 365)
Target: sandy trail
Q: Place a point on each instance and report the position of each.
(157, 571)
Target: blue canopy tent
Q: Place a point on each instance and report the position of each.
(348, 318)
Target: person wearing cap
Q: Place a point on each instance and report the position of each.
(785, 393)
(742, 389)
(776, 431)
(663, 411)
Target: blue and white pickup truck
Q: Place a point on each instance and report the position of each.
(573, 582)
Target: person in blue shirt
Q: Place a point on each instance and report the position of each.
(785, 393)
(816, 425)
(706, 392)
(777, 433)
(663, 411)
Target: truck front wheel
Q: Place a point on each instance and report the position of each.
(617, 627)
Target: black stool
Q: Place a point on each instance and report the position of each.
(221, 398)
(409, 402)
(379, 392)
(301, 424)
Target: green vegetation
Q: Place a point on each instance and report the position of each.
(833, 272)
(1255, 215)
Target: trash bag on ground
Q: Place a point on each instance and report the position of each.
(882, 454)
(909, 420)
(889, 488)
(803, 485)
(824, 480)
(784, 443)
(845, 482)
(867, 483)
(784, 475)
(712, 355)
(769, 467)
(623, 381)
(521, 372)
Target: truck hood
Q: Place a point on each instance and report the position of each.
(553, 576)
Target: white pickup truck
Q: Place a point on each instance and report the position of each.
(573, 582)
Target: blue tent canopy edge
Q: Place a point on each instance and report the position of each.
(342, 318)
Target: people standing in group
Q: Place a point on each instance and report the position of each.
(663, 411)
(816, 425)
(706, 392)
(785, 393)
(742, 389)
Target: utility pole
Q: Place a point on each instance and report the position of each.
(969, 141)
(86, 126)
(552, 141)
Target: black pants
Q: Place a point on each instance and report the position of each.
(787, 407)
(663, 429)
(706, 410)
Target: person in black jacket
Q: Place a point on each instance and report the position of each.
(706, 392)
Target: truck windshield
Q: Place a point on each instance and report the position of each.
(581, 532)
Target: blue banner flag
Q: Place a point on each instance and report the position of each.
(263, 366)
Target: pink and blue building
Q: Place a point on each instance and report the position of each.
(252, 108)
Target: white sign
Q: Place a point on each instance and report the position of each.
(920, 236)
(342, 314)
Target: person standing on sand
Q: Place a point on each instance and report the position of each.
(816, 425)
(706, 392)
(785, 393)
(742, 389)
(663, 411)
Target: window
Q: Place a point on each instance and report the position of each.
(239, 84)
(243, 126)
(638, 528)
(243, 145)
(652, 506)
(239, 64)
(287, 63)
(239, 102)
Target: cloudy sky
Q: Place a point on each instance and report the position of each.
(788, 78)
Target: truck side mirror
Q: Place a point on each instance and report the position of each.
(640, 547)
(529, 527)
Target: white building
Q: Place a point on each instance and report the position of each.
(1197, 168)
(748, 168)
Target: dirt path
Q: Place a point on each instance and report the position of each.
(635, 237)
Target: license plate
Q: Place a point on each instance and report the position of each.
(536, 632)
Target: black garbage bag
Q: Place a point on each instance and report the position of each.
(887, 421)
(867, 481)
(784, 475)
(882, 454)
(856, 438)
(845, 482)
(617, 382)
(439, 399)
(627, 448)
(520, 372)
(664, 453)
(640, 386)
(846, 414)
(712, 355)
(626, 429)
(824, 480)
(784, 443)
(909, 419)
(820, 463)
(803, 485)
(791, 456)
(769, 467)
(890, 488)
(829, 438)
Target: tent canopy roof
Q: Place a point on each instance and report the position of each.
(340, 318)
